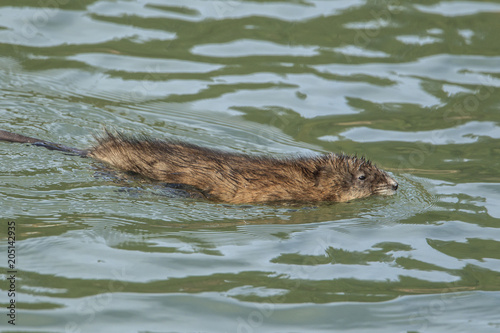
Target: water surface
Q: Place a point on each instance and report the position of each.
(412, 86)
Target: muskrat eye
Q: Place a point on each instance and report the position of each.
(362, 177)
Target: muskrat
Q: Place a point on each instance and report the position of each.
(235, 178)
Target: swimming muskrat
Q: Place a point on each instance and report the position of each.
(235, 178)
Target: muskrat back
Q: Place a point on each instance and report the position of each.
(236, 178)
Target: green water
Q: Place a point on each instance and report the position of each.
(412, 86)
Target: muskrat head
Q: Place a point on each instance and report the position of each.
(355, 178)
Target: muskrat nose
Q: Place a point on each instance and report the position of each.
(395, 186)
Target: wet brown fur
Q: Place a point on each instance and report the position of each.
(235, 178)
(238, 178)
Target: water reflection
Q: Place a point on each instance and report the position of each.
(413, 87)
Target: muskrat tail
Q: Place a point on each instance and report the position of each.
(13, 137)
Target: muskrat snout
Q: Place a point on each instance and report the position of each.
(392, 186)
